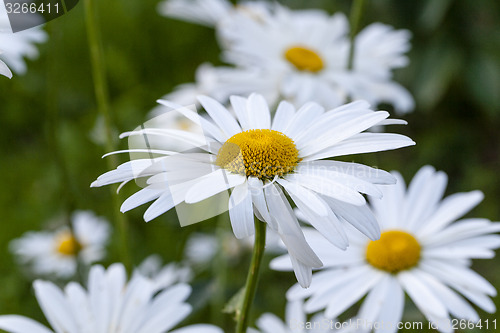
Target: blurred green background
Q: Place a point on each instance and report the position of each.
(48, 114)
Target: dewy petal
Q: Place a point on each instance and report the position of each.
(241, 211)
(19, 324)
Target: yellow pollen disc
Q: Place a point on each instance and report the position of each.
(68, 245)
(260, 153)
(304, 59)
(395, 251)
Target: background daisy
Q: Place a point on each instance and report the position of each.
(423, 252)
(55, 252)
(110, 304)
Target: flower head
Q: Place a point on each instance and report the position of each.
(423, 252)
(261, 159)
(109, 305)
(55, 252)
(299, 55)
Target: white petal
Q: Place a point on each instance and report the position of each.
(19, 324)
(304, 117)
(198, 328)
(450, 209)
(240, 108)
(303, 273)
(141, 197)
(328, 187)
(241, 212)
(258, 112)
(392, 306)
(54, 306)
(220, 115)
(283, 116)
(288, 227)
(424, 192)
(421, 295)
(361, 217)
(363, 143)
(214, 183)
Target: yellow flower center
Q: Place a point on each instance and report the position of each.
(68, 245)
(395, 251)
(260, 153)
(304, 59)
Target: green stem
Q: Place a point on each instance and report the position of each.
(252, 277)
(101, 93)
(354, 20)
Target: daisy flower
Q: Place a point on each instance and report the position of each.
(109, 305)
(305, 55)
(423, 251)
(55, 252)
(262, 159)
(16, 46)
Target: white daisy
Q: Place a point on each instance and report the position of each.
(163, 276)
(304, 54)
(423, 252)
(16, 46)
(261, 159)
(109, 305)
(55, 252)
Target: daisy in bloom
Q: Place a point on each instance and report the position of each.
(423, 251)
(16, 46)
(302, 54)
(262, 159)
(55, 252)
(109, 305)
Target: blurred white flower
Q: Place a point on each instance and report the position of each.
(423, 252)
(16, 46)
(261, 159)
(299, 55)
(163, 276)
(109, 305)
(55, 252)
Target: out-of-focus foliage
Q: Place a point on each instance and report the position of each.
(47, 116)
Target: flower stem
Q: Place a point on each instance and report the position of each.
(354, 20)
(101, 93)
(252, 277)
